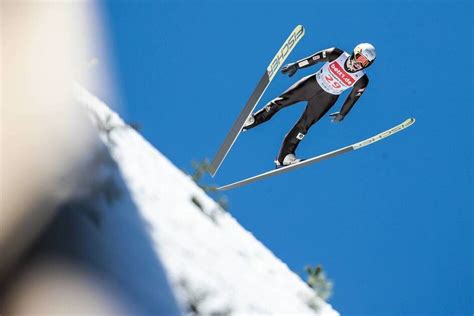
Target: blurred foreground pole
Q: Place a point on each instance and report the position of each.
(44, 135)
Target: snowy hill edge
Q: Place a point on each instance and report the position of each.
(213, 264)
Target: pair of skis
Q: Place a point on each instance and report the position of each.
(267, 77)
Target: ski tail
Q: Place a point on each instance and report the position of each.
(332, 154)
(257, 94)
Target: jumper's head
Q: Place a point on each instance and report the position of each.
(363, 56)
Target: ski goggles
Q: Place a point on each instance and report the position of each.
(361, 59)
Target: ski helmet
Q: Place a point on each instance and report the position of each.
(364, 54)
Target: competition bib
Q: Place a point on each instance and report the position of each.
(334, 79)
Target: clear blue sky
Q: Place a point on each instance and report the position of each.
(392, 223)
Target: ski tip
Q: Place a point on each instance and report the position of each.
(410, 120)
(300, 26)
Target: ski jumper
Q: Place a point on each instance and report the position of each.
(321, 91)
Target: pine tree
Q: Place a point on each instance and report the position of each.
(318, 282)
(201, 168)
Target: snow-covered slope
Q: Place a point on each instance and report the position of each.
(213, 264)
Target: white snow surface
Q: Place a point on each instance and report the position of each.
(211, 262)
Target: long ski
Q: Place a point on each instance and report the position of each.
(328, 155)
(267, 77)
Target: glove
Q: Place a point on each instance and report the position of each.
(289, 69)
(336, 117)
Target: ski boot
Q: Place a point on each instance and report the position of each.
(248, 123)
(289, 159)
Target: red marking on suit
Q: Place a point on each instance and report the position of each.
(340, 73)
